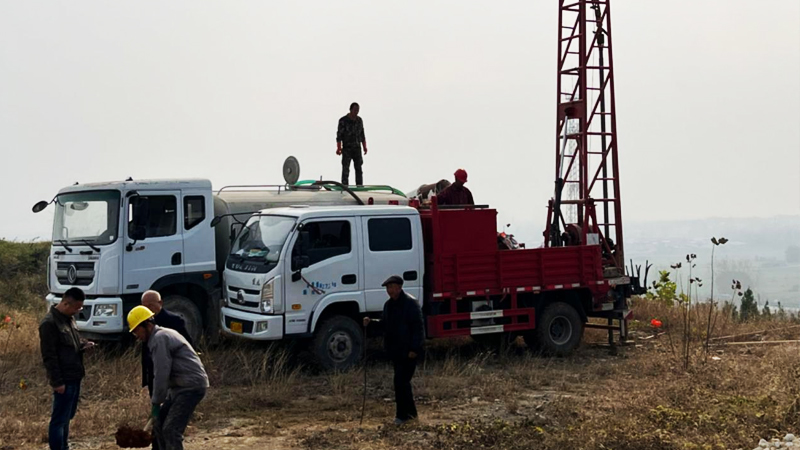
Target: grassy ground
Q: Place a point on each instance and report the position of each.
(265, 397)
(639, 399)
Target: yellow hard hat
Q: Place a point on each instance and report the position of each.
(138, 315)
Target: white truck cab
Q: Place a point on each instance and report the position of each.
(303, 272)
(114, 240)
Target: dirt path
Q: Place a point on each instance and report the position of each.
(298, 423)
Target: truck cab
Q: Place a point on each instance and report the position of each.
(314, 272)
(115, 240)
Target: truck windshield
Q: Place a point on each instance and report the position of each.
(262, 238)
(86, 216)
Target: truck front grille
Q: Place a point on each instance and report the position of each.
(75, 273)
(233, 297)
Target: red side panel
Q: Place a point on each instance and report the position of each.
(542, 267)
(462, 256)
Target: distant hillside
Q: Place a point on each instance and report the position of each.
(762, 253)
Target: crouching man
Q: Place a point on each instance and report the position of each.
(179, 378)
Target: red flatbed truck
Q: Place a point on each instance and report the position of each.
(546, 295)
(580, 270)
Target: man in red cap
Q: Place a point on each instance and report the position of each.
(456, 193)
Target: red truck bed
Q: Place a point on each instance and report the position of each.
(461, 256)
(462, 261)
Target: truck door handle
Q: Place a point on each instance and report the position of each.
(411, 275)
(176, 259)
(349, 279)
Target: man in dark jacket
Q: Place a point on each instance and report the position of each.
(165, 319)
(62, 352)
(403, 340)
(456, 193)
(349, 139)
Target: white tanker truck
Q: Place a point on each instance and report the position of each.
(115, 240)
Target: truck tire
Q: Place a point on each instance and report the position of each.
(338, 343)
(558, 332)
(185, 308)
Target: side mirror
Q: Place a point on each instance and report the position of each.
(137, 232)
(235, 229)
(40, 206)
(300, 258)
(296, 276)
(300, 262)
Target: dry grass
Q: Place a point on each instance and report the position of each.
(641, 399)
(25, 397)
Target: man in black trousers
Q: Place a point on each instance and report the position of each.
(403, 340)
(62, 353)
(349, 140)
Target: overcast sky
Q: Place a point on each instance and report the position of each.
(708, 99)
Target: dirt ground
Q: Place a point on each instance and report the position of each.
(468, 397)
(309, 417)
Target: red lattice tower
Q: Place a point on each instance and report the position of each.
(586, 208)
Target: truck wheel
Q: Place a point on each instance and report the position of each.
(185, 308)
(338, 343)
(558, 332)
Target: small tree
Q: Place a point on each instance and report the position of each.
(749, 308)
(781, 315)
(766, 313)
(712, 316)
(685, 301)
(663, 290)
(730, 310)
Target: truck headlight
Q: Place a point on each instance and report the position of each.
(105, 310)
(261, 327)
(267, 296)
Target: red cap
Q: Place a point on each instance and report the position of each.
(461, 175)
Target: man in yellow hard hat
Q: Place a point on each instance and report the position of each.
(179, 378)
(163, 318)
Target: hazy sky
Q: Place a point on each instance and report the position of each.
(708, 98)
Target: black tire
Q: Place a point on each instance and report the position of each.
(338, 343)
(185, 308)
(558, 332)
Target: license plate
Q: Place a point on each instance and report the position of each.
(236, 327)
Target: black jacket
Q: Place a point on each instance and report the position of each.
(164, 319)
(403, 328)
(61, 348)
(350, 132)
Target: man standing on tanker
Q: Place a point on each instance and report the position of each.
(349, 139)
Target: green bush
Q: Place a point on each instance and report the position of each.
(23, 274)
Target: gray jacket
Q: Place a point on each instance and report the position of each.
(176, 366)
